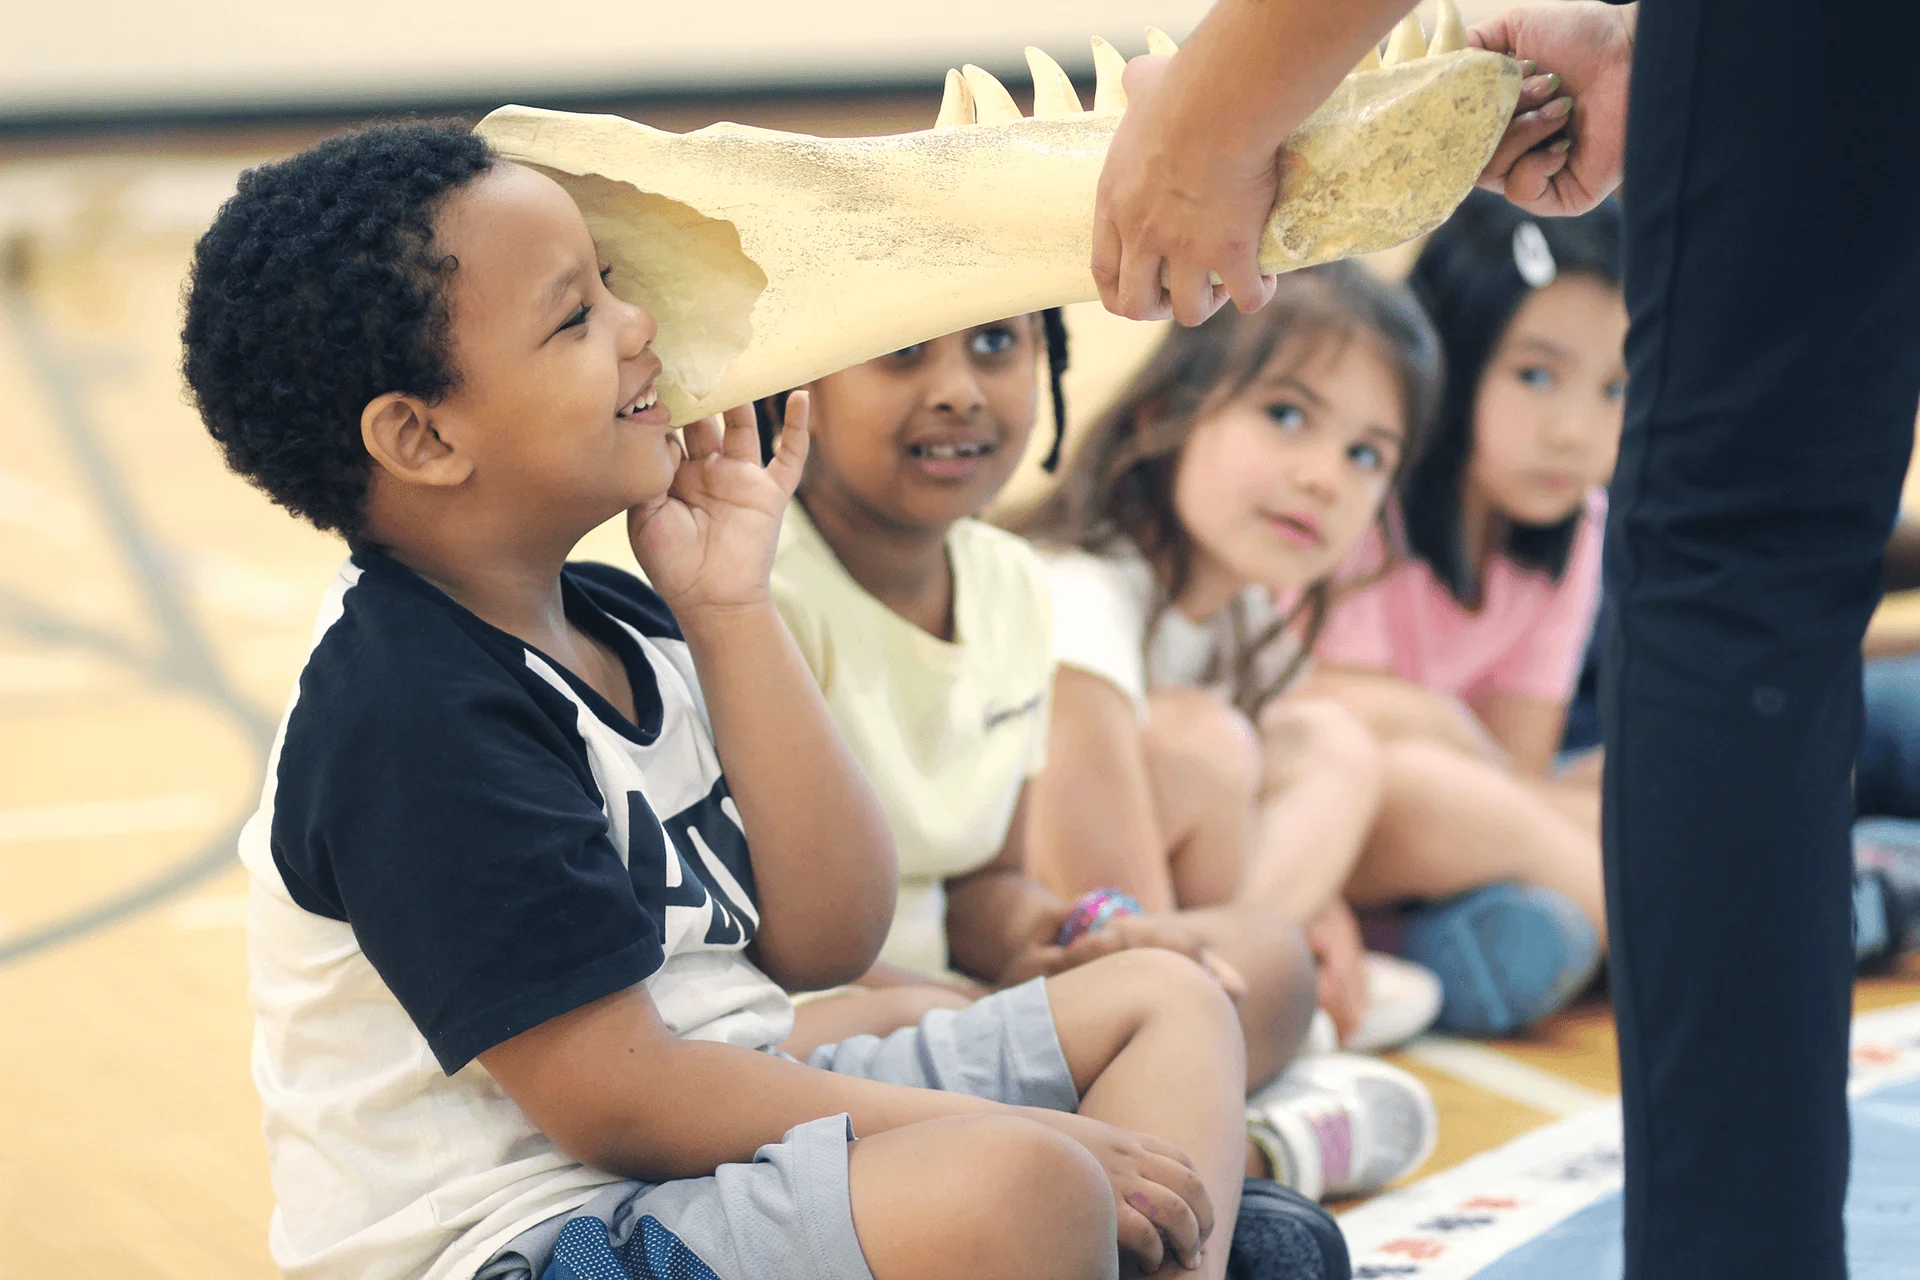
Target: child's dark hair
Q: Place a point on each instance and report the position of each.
(318, 288)
(1118, 489)
(1469, 278)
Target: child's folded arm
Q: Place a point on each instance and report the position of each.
(1094, 824)
(823, 863)
(612, 1087)
(996, 913)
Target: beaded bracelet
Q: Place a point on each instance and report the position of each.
(1094, 911)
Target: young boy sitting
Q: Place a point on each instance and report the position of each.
(517, 965)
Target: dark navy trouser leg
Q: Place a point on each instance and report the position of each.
(1773, 276)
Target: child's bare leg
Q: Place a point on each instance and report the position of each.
(1575, 791)
(1321, 791)
(1271, 953)
(864, 1011)
(1204, 761)
(1204, 767)
(1133, 1023)
(1449, 823)
(1274, 815)
(981, 1196)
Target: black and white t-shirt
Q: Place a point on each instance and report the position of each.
(458, 841)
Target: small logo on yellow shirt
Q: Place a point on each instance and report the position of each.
(997, 716)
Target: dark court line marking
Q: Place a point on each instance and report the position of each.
(186, 661)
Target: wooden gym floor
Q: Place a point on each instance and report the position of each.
(153, 614)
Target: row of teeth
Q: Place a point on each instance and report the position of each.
(974, 96)
(641, 405)
(950, 450)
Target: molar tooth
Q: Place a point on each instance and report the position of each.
(956, 106)
(1449, 32)
(1053, 93)
(1406, 43)
(1108, 93)
(1159, 41)
(1370, 61)
(992, 104)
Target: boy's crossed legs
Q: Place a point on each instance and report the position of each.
(1026, 1195)
(1146, 1044)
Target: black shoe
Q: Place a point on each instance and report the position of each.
(1282, 1235)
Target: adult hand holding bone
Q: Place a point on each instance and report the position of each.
(1194, 168)
(1191, 175)
(1556, 162)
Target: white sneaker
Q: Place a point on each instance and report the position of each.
(1403, 999)
(1342, 1124)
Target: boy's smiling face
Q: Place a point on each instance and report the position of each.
(553, 417)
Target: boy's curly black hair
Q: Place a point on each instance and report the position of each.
(317, 288)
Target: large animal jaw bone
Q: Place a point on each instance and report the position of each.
(770, 259)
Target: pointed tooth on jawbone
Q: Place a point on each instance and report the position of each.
(1159, 41)
(956, 106)
(992, 104)
(1370, 61)
(1449, 31)
(1053, 92)
(1108, 66)
(1406, 43)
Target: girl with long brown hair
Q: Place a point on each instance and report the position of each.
(1194, 547)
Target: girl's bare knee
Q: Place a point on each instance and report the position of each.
(1205, 741)
(1299, 734)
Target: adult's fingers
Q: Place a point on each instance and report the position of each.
(1139, 295)
(1529, 184)
(1495, 34)
(1190, 292)
(1242, 281)
(1106, 260)
(1527, 131)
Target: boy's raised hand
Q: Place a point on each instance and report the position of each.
(708, 542)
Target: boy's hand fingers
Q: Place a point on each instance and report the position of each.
(741, 435)
(1172, 1216)
(790, 453)
(1179, 1177)
(702, 437)
(1138, 1236)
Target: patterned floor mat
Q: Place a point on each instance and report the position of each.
(1548, 1204)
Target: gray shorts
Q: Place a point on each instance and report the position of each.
(788, 1212)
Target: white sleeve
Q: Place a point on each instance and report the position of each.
(1100, 621)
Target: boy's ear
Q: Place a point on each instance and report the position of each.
(396, 431)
